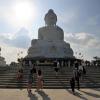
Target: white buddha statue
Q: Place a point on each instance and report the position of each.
(51, 31)
(50, 42)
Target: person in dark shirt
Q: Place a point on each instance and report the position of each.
(33, 71)
(77, 78)
(76, 65)
(72, 83)
(57, 68)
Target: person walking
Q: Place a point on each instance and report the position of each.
(80, 70)
(76, 64)
(57, 68)
(34, 71)
(84, 70)
(77, 77)
(19, 76)
(72, 84)
(30, 64)
(39, 80)
(30, 81)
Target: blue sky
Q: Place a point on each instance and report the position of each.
(80, 20)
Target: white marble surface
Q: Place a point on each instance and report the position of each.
(50, 42)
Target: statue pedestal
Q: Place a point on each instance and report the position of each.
(50, 49)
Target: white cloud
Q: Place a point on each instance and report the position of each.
(12, 44)
(10, 53)
(85, 43)
(84, 39)
(20, 39)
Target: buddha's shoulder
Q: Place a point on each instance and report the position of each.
(57, 28)
(42, 28)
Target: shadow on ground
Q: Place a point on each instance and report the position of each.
(77, 94)
(32, 96)
(96, 89)
(91, 94)
(43, 95)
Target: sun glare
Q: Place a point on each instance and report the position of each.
(24, 12)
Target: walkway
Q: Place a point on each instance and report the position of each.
(50, 94)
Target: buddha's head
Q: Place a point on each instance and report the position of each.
(50, 18)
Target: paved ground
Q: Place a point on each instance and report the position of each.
(50, 94)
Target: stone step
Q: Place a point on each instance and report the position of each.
(8, 78)
(49, 87)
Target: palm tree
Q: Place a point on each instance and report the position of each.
(96, 58)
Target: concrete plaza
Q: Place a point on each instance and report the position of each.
(50, 94)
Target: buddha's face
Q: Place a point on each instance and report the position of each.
(50, 18)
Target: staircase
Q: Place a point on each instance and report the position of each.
(51, 81)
